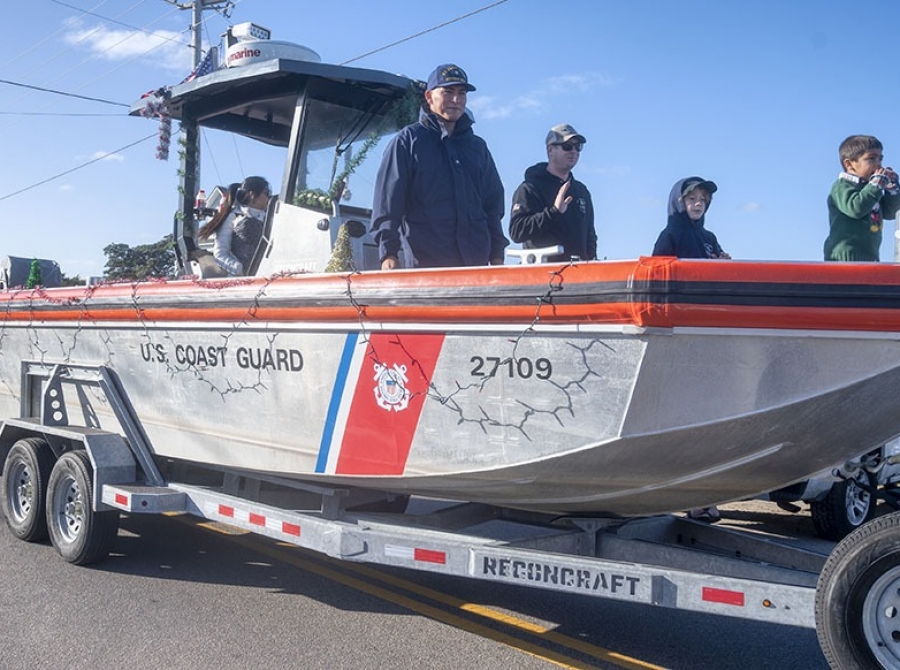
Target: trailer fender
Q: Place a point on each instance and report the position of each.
(110, 456)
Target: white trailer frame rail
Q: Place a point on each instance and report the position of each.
(479, 551)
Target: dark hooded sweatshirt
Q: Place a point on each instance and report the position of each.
(536, 223)
(682, 237)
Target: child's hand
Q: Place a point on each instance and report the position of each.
(893, 186)
(880, 179)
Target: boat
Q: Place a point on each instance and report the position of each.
(603, 388)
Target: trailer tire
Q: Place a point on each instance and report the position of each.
(79, 534)
(846, 507)
(24, 488)
(858, 598)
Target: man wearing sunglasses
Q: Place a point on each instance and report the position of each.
(551, 207)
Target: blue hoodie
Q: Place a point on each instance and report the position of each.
(447, 191)
(682, 237)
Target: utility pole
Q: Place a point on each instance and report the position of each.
(197, 8)
(190, 158)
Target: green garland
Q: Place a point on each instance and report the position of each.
(403, 112)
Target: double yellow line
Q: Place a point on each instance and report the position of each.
(458, 613)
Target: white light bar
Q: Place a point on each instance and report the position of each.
(244, 31)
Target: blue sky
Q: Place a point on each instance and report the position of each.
(755, 95)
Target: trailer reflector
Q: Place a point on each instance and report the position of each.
(416, 554)
(290, 529)
(723, 596)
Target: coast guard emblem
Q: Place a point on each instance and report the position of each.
(390, 390)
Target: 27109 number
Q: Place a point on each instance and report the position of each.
(523, 368)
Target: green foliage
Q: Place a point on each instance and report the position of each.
(314, 198)
(403, 112)
(145, 261)
(406, 109)
(34, 275)
(66, 280)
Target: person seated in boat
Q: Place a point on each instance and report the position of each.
(438, 195)
(685, 234)
(553, 208)
(238, 224)
(864, 195)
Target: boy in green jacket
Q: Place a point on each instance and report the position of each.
(864, 195)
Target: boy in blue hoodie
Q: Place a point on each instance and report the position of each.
(685, 235)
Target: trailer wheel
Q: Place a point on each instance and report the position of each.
(846, 507)
(24, 488)
(80, 534)
(858, 598)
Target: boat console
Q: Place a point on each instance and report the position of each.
(329, 119)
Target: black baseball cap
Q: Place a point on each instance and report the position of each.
(692, 183)
(448, 74)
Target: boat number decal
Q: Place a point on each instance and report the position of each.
(252, 358)
(577, 579)
(391, 392)
(523, 367)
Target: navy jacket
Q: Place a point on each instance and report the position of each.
(537, 223)
(447, 191)
(682, 237)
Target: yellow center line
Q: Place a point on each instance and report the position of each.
(429, 611)
(541, 631)
(544, 633)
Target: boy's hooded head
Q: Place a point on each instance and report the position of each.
(688, 189)
(693, 183)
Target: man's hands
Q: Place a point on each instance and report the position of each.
(562, 200)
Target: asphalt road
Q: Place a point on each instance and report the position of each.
(179, 594)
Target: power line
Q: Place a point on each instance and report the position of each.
(57, 114)
(119, 23)
(425, 32)
(77, 167)
(68, 95)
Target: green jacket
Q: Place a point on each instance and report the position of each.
(856, 214)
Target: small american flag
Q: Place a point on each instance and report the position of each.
(205, 67)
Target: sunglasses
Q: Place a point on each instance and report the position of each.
(568, 146)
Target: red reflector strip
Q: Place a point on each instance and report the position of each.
(723, 596)
(290, 529)
(429, 556)
(121, 499)
(225, 510)
(257, 519)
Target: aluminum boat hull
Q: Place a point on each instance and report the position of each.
(613, 388)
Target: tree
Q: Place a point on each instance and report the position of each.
(66, 280)
(144, 261)
(34, 275)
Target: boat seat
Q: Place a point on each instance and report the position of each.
(205, 266)
(265, 239)
(532, 256)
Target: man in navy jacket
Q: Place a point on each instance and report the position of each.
(438, 196)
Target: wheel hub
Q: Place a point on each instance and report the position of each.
(71, 512)
(23, 493)
(881, 618)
